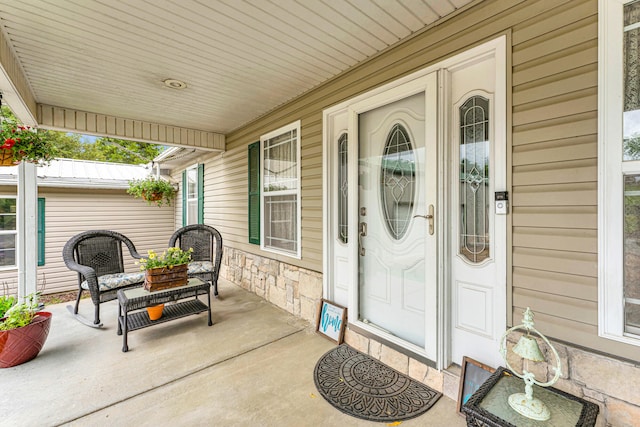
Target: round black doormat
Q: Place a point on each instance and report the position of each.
(363, 387)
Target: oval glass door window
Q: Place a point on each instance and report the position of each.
(398, 181)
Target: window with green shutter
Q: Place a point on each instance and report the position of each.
(254, 193)
(193, 195)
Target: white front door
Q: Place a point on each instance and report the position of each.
(414, 246)
(397, 242)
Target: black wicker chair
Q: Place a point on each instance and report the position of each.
(207, 251)
(97, 257)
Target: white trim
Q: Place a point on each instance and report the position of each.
(27, 225)
(13, 232)
(187, 199)
(297, 192)
(610, 172)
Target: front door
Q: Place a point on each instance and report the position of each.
(397, 240)
(415, 247)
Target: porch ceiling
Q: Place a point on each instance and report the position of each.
(239, 59)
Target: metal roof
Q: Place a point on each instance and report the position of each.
(69, 173)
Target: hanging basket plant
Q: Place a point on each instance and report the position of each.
(153, 190)
(24, 144)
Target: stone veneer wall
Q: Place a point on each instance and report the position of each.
(294, 289)
(608, 382)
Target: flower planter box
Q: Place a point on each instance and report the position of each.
(156, 279)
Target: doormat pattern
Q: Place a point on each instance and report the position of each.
(365, 388)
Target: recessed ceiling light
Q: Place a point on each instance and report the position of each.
(174, 84)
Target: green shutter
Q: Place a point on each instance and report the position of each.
(254, 193)
(40, 231)
(184, 198)
(201, 193)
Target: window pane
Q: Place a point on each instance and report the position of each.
(8, 206)
(280, 162)
(398, 186)
(7, 214)
(192, 212)
(280, 219)
(632, 253)
(474, 179)
(631, 117)
(343, 187)
(7, 250)
(192, 183)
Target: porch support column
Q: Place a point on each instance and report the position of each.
(27, 223)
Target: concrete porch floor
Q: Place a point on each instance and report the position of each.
(253, 367)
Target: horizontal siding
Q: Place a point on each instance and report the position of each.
(566, 194)
(558, 150)
(71, 211)
(555, 283)
(552, 158)
(554, 174)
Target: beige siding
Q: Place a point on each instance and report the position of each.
(552, 154)
(71, 211)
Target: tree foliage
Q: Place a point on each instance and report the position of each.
(632, 147)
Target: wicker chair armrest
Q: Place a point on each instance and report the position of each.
(87, 272)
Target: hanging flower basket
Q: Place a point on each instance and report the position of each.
(152, 197)
(153, 190)
(6, 157)
(24, 144)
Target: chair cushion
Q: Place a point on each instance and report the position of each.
(117, 280)
(196, 267)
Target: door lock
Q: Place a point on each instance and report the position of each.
(362, 232)
(429, 216)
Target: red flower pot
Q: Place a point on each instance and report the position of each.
(23, 344)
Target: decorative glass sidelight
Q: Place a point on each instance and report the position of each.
(398, 181)
(474, 179)
(343, 187)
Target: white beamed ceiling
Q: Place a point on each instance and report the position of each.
(240, 59)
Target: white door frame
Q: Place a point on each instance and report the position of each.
(495, 47)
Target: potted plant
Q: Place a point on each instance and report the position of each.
(168, 270)
(153, 190)
(20, 143)
(23, 330)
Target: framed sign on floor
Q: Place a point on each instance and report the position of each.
(331, 321)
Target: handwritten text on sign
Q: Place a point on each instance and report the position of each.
(331, 320)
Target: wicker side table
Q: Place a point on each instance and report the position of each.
(132, 302)
(488, 406)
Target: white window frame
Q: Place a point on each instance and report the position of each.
(189, 200)
(611, 169)
(289, 192)
(11, 232)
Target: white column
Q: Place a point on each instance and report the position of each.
(27, 223)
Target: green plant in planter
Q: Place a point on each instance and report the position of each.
(20, 315)
(153, 190)
(6, 302)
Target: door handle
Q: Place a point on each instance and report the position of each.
(362, 231)
(430, 217)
